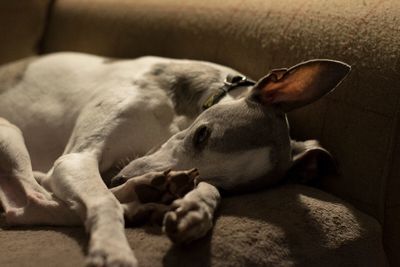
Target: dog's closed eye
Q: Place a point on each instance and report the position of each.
(201, 136)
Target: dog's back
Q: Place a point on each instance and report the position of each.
(44, 96)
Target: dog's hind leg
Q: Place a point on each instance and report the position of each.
(22, 198)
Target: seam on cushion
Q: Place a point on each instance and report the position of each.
(42, 39)
(322, 131)
(387, 172)
(392, 207)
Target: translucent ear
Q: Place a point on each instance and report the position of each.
(301, 84)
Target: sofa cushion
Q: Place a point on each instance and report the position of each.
(284, 226)
(358, 122)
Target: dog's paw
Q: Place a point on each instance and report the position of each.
(164, 186)
(41, 209)
(110, 254)
(156, 187)
(187, 221)
(181, 182)
(151, 186)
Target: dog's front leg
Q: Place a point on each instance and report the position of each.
(75, 179)
(139, 195)
(192, 216)
(103, 133)
(148, 196)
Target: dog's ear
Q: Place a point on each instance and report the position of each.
(301, 84)
(310, 163)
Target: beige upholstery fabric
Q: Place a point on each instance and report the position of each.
(287, 226)
(357, 122)
(21, 27)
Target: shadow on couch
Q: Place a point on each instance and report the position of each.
(283, 226)
(304, 226)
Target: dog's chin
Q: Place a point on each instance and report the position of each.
(121, 178)
(131, 170)
(117, 180)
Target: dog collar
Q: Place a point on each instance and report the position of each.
(231, 82)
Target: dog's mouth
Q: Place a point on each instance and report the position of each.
(133, 169)
(118, 180)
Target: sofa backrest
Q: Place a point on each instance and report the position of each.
(22, 24)
(358, 123)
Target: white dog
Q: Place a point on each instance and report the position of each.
(82, 115)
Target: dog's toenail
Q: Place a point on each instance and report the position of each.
(193, 173)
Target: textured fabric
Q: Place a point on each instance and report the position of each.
(21, 27)
(357, 123)
(287, 226)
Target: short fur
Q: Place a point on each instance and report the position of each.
(81, 116)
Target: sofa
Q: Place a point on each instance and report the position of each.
(352, 219)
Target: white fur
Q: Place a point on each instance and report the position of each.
(47, 116)
(86, 116)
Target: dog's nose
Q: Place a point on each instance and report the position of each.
(118, 180)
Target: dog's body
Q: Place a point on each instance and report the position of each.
(53, 91)
(81, 116)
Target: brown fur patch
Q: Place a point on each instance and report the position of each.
(110, 60)
(12, 73)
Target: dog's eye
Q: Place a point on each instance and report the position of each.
(201, 136)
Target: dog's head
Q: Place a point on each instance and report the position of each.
(245, 141)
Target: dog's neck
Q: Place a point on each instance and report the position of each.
(234, 94)
(190, 86)
(230, 90)
(191, 102)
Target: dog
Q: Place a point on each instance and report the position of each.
(81, 116)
